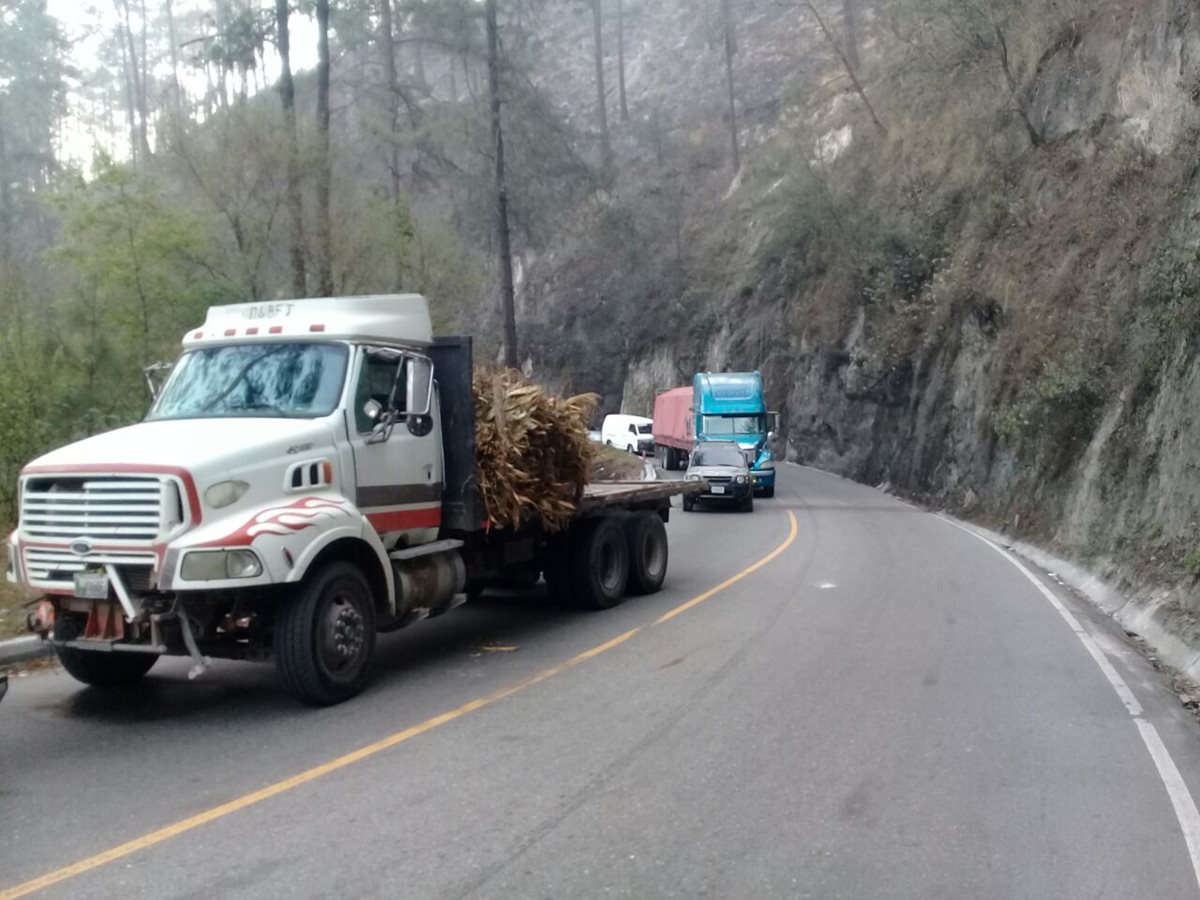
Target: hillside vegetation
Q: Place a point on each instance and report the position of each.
(988, 296)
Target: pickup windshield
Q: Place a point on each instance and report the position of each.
(288, 380)
(735, 425)
(718, 456)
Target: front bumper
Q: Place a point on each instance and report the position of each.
(730, 492)
(764, 479)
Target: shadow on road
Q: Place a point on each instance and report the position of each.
(236, 692)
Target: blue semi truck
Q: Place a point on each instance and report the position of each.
(729, 406)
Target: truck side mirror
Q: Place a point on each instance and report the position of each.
(419, 399)
(156, 376)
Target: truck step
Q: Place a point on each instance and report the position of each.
(425, 550)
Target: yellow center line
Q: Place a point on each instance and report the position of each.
(219, 812)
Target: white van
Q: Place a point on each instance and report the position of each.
(632, 433)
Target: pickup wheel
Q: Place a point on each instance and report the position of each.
(647, 539)
(598, 564)
(748, 504)
(324, 636)
(99, 668)
(689, 503)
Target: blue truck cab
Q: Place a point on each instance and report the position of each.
(729, 406)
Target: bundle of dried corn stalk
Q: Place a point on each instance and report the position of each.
(533, 456)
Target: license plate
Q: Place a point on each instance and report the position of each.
(718, 488)
(91, 585)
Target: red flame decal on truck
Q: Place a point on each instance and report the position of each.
(282, 521)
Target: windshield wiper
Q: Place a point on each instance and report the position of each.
(254, 407)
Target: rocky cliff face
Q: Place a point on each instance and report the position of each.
(995, 311)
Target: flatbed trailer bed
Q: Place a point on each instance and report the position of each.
(637, 495)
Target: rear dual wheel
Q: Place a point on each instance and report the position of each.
(598, 561)
(594, 570)
(648, 552)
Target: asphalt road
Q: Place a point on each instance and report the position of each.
(887, 708)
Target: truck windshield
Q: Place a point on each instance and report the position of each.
(289, 380)
(734, 425)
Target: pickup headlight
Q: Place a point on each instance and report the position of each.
(225, 493)
(739, 479)
(693, 478)
(220, 565)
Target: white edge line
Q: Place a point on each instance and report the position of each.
(1181, 797)
(1177, 789)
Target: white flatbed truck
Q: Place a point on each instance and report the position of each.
(304, 481)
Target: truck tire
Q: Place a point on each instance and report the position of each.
(99, 668)
(689, 503)
(598, 564)
(648, 553)
(325, 635)
(748, 504)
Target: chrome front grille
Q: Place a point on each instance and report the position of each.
(94, 508)
(57, 568)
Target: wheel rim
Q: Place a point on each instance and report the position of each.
(610, 567)
(341, 635)
(654, 555)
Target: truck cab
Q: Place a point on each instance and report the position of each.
(291, 438)
(730, 406)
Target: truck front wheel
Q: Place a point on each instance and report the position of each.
(324, 636)
(647, 537)
(99, 668)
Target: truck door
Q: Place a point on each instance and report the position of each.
(397, 456)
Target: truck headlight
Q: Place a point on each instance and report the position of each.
(739, 479)
(220, 565)
(693, 478)
(225, 493)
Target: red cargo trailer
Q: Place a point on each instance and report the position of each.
(674, 431)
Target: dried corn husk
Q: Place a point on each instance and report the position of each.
(532, 452)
